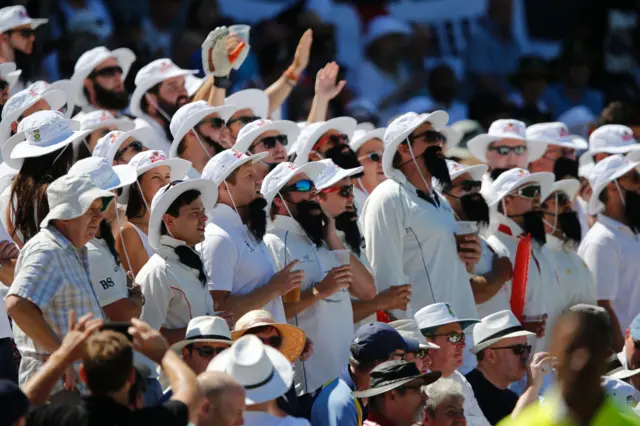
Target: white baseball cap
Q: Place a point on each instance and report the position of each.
(17, 16)
(569, 186)
(612, 139)
(512, 179)
(224, 163)
(556, 133)
(151, 74)
(254, 99)
(188, 116)
(90, 59)
(105, 175)
(360, 137)
(604, 172)
(278, 178)
(333, 174)
(476, 171)
(252, 131)
(9, 73)
(314, 131)
(439, 314)
(101, 118)
(506, 129)
(108, 145)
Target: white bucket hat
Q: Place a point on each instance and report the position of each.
(506, 129)
(453, 137)
(100, 118)
(105, 175)
(265, 373)
(333, 174)
(17, 16)
(65, 86)
(224, 163)
(314, 131)
(109, 145)
(604, 172)
(437, 315)
(254, 99)
(556, 133)
(409, 328)
(9, 73)
(252, 131)
(495, 327)
(512, 179)
(168, 194)
(476, 171)
(569, 186)
(400, 129)
(360, 137)
(383, 26)
(278, 178)
(612, 139)
(150, 75)
(90, 59)
(193, 83)
(189, 115)
(205, 329)
(70, 196)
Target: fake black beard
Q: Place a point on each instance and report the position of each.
(170, 110)
(347, 222)
(344, 157)
(565, 168)
(570, 226)
(217, 148)
(257, 221)
(311, 221)
(632, 210)
(495, 173)
(436, 164)
(476, 209)
(109, 99)
(534, 225)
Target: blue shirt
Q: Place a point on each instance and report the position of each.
(335, 406)
(556, 98)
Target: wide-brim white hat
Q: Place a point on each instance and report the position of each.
(438, 314)
(67, 87)
(205, 329)
(17, 16)
(9, 73)
(226, 162)
(193, 83)
(192, 120)
(109, 145)
(333, 174)
(168, 194)
(597, 185)
(282, 174)
(409, 328)
(499, 190)
(143, 87)
(105, 175)
(478, 145)
(495, 327)
(25, 149)
(254, 99)
(252, 131)
(360, 137)
(312, 133)
(568, 186)
(556, 133)
(622, 373)
(98, 119)
(476, 171)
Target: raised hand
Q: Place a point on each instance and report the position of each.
(326, 86)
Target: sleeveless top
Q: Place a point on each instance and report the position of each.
(145, 240)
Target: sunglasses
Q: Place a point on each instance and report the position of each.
(336, 139)
(3, 84)
(273, 341)
(506, 150)
(467, 186)
(345, 191)
(216, 122)
(304, 185)
(107, 71)
(452, 337)
(243, 120)
(207, 351)
(135, 145)
(270, 142)
(422, 353)
(430, 136)
(517, 349)
(376, 157)
(529, 191)
(26, 33)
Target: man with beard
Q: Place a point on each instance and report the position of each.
(198, 131)
(611, 248)
(560, 155)
(327, 139)
(251, 105)
(493, 270)
(322, 308)
(241, 273)
(98, 79)
(564, 233)
(516, 196)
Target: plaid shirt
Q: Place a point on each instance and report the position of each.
(54, 275)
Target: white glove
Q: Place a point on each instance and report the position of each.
(215, 58)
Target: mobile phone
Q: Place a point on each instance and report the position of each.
(119, 327)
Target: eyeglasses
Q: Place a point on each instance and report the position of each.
(273, 341)
(270, 142)
(304, 185)
(506, 150)
(26, 33)
(467, 186)
(106, 72)
(529, 191)
(336, 139)
(216, 122)
(135, 145)
(376, 157)
(243, 120)
(208, 351)
(517, 349)
(430, 136)
(452, 337)
(345, 191)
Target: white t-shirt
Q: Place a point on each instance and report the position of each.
(575, 277)
(500, 301)
(612, 253)
(109, 280)
(262, 418)
(234, 261)
(472, 411)
(329, 322)
(360, 197)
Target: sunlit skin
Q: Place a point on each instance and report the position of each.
(511, 367)
(511, 161)
(127, 152)
(227, 410)
(244, 191)
(17, 41)
(551, 210)
(517, 205)
(199, 152)
(423, 364)
(193, 359)
(152, 180)
(373, 174)
(190, 223)
(293, 196)
(172, 91)
(114, 83)
(450, 412)
(97, 134)
(236, 126)
(551, 155)
(320, 152)
(277, 154)
(41, 105)
(332, 202)
(404, 407)
(449, 357)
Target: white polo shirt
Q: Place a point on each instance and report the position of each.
(409, 240)
(359, 198)
(234, 261)
(612, 253)
(501, 300)
(575, 277)
(109, 280)
(329, 322)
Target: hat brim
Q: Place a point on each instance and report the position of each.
(224, 112)
(254, 99)
(342, 174)
(193, 83)
(453, 137)
(284, 127)
(177, 347)
(544, 179)
(125, 58)
(476, 171)
(356, 144)
(67, 88)
(12, 78)
(625, 149)
(141, 89)
(569, 186)
(249, 158)
(178, 166)
(464, 323)
(424, 379)
(25, 149)
(478, 145)
(208, 194)
(312, 170)
(346, 125)
(595, 205)
(65, 211)
(293, 338)
(126, 174)
(483, 345)
(624, 374)
(570, 141)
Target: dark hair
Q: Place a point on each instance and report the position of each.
(107, 236)
(480, 355)
(108, 360)
(144, 104)
(81, 151)
(136, 206)
(603, 197)
(183, 199)
(29, 190)
(273, 210)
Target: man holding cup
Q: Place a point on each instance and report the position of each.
(322, 307)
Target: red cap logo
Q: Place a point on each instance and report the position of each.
(237, 154)
(165, 66)
(564, 131)
(113, 137)
(627, 136)
(157, 156)
(510, 128)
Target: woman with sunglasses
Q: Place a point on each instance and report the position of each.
(120, 147)
(368, 146)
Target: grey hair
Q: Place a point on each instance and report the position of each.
(441, 390)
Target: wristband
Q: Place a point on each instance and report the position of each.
(222, 82)
(291, 77)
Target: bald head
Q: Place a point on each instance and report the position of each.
(224, 405)
(214, 383)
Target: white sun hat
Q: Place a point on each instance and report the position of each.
(252, 131)
(105, 175)
(453, 137)
(224, 163)
(476, 171)
(409, 328)
(333, 174)
(383, 26)
(71, 195)
(437, 315)
(109, 145)
(205, 329)
(399, 130)
(513, 179)
(506, 129)
(189, 115)
(168, 194)
(612, 139)
(604, 172)
(17, 16)
(193, 83)
(556, 133)
(278, 178)
(265, 373)
(9, 73)
(254, 99)
(101, 118)
(569, 186)
(495, 327)
(65, 86)
(360, 137)
(151, 74)
(90, 59)
(314, 131)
